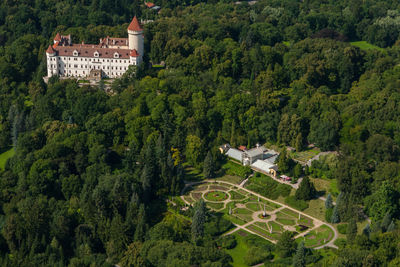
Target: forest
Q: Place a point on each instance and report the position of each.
(88, 173)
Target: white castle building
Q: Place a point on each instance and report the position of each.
(109, 59)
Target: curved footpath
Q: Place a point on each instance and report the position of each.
(318, 222)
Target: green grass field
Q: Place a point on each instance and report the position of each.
(364, 45)
(215, 206)
(253, 206)
(275, 227)
(285, 221)
(290, 213)
(236, 196)
(304, 156)
(316, 237)
(245, 242)
(215, 196)
(5, 156)
(316, 209)
(231, 178)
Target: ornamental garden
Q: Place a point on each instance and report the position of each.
(258, 215)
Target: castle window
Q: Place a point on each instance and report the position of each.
(116, 55)
(75, 53)
(96, 54)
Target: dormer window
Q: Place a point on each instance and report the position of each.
(116, 55)
(96, 54)
(75, 53)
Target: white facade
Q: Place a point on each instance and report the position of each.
(66, 66)
(112, 56)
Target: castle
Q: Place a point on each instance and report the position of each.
(108, 59)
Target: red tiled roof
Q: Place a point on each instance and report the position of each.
(149, 4)
(50, 50)
(58, 37)
(134, 25)
(88, 51)
(243, 148)
(134, 53)
(114, 41)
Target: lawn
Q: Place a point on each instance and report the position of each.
(232, 168)
(231, 178)
(316, 209)
(306, 155)
(270, 204)
(305, 221)
(281, 215)
(267, 187)
(285, 221)
(236, 196)
(316, 237)
(275, 227)
(243, 214)
(290, 213)
(245, 242)
(234, 219)
(5, 156)
(253, 206)
(214, 196)
(238, 252)
(263, 232)
(326, 185)
(364, 45)
(215, 206)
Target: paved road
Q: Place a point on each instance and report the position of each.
(317, 221)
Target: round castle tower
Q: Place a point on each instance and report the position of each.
(135, 34)
(52, 62)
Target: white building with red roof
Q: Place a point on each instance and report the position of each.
(109, 59)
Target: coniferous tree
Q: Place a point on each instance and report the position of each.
(367, 230)
(146, 178)
(283, 162)
(198, 220)
(140, 230)
(299, 145)
(286, 244)
(335, 216)
(297, 170)
(329, 202)
(376, 227)
(351, 230)
(391, 227)
(306, 190)
(386, 221)
(208, 166)
(299, 259)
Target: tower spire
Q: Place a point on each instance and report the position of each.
(135, 25)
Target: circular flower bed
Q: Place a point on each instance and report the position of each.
(216, 196)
